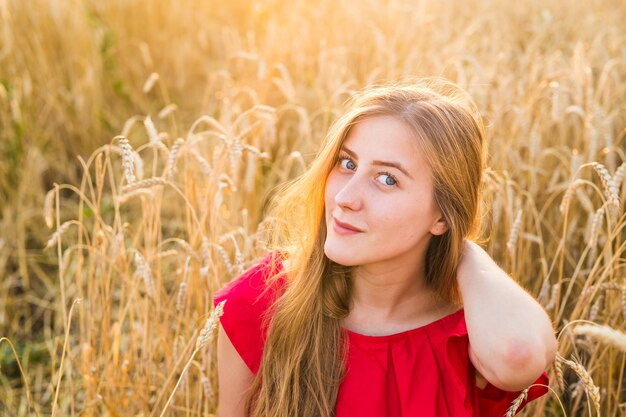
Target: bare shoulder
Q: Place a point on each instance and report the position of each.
(234, 378)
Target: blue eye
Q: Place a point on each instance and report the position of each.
(388, 179)
(346, 162)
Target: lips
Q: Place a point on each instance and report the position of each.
(347, 226)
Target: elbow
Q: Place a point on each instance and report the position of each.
(524, 362)
(552, 348)
(541, 352)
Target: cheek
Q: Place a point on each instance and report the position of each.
(330, 190)
(405, 218)
(327, 192)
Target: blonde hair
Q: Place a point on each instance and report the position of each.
(305, 351)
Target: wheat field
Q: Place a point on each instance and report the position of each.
(141, 141)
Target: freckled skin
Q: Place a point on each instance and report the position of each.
(397, 220)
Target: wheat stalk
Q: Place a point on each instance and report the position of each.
(544, 293)
(244, 133)
(294, 156)
(569, 193)
(117, 244)
(182, 288)
(596, 307)
(63, 353)
(516, 403)
(206, 256)
(209, 326)
(153, 133)
(180, 298)
(122, 198)
(144, 272)
(592, 390)
(219, 198)
(249, 176)
(238, 257)
(604, 334)
(576, 388)
(29, 395)
(596, 223)
(558, 367)
(152, 79)
(186, 247)
(204, 165)
(255, 150)
(208, 389)
(607, 181)
(148, 183)
(556, 100)
(127, 159)
(47, 207)
(618, 177)
(623, 299)
(170, 169)
(227, 182)
(166, 253)
(235, 154)
(602, 287)
(167, 110)
(264, 111)
(59, 233)
(517, 224)
(203, 340)
(224, 257)
(553, 294)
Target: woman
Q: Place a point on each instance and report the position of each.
(374, 302)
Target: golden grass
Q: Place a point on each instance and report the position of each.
(140, 142)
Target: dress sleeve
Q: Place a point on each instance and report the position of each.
(248, 302)
(490, 401)
(495, 402)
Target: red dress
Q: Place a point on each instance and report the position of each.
(424, 372)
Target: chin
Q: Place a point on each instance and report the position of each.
(339, 256)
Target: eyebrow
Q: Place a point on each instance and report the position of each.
(380, 163)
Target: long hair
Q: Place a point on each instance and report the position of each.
(304, 358)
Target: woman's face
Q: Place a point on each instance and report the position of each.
(382, 186)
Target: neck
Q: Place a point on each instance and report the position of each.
(392, 289)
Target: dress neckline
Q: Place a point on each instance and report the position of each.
(383, 338)
(439, 322)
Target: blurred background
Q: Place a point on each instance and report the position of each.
(140, 142)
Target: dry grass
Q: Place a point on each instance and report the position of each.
(185, 115)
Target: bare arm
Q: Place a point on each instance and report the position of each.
(234, 378)
(511, 337)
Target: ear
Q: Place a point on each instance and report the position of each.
(439, 227)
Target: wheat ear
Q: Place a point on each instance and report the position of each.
(592, 390)
(604, 334)
(203, 340)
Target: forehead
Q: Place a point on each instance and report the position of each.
(386, 138)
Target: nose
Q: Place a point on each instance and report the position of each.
(349, 196)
